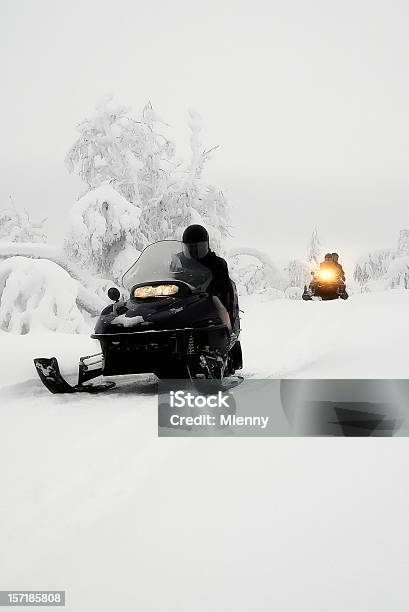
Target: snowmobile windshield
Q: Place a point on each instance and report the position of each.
(167, 261)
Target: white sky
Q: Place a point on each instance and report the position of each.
(308, 100)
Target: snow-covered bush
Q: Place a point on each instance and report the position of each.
(104, 232)
(385, 269)
(373, 266)
(16, 226)
(397, 276)
(299, 274)
(38, 294)
(134, 157)
(293, 293)
(249, 277)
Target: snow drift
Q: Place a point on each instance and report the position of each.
(38, 294)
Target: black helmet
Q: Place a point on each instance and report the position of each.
(328, 256)
(335, 256)
(196, 239)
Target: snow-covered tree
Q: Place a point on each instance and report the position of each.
(129, 153)
(182, 197)
(139, 163)
(314, 250)
(206, 203)
(299, 272)
(104, 234)
(16, 226)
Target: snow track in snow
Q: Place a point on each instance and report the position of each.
(366, 336)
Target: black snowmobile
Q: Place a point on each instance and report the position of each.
(326, 284)
(169, 325)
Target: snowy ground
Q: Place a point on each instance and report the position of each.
(94, 503)
(366, 336)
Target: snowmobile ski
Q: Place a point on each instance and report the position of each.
(50, 375)
(232, 381)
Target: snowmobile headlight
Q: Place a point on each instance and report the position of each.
(150, 291)
(327, 275)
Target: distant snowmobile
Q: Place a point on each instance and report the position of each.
(169, 325)
(327, 284)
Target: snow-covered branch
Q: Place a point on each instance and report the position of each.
(271, 273)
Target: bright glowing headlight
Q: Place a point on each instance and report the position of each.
(326, 275)
(149, 291)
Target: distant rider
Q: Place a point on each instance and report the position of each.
(340, 269)
(331, 263)
(328, 263)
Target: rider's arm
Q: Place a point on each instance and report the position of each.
(222, 286)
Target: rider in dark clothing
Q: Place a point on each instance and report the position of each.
(329, 270)
(331, 263)
(338, 265)
(196, 239)
(328, 262)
